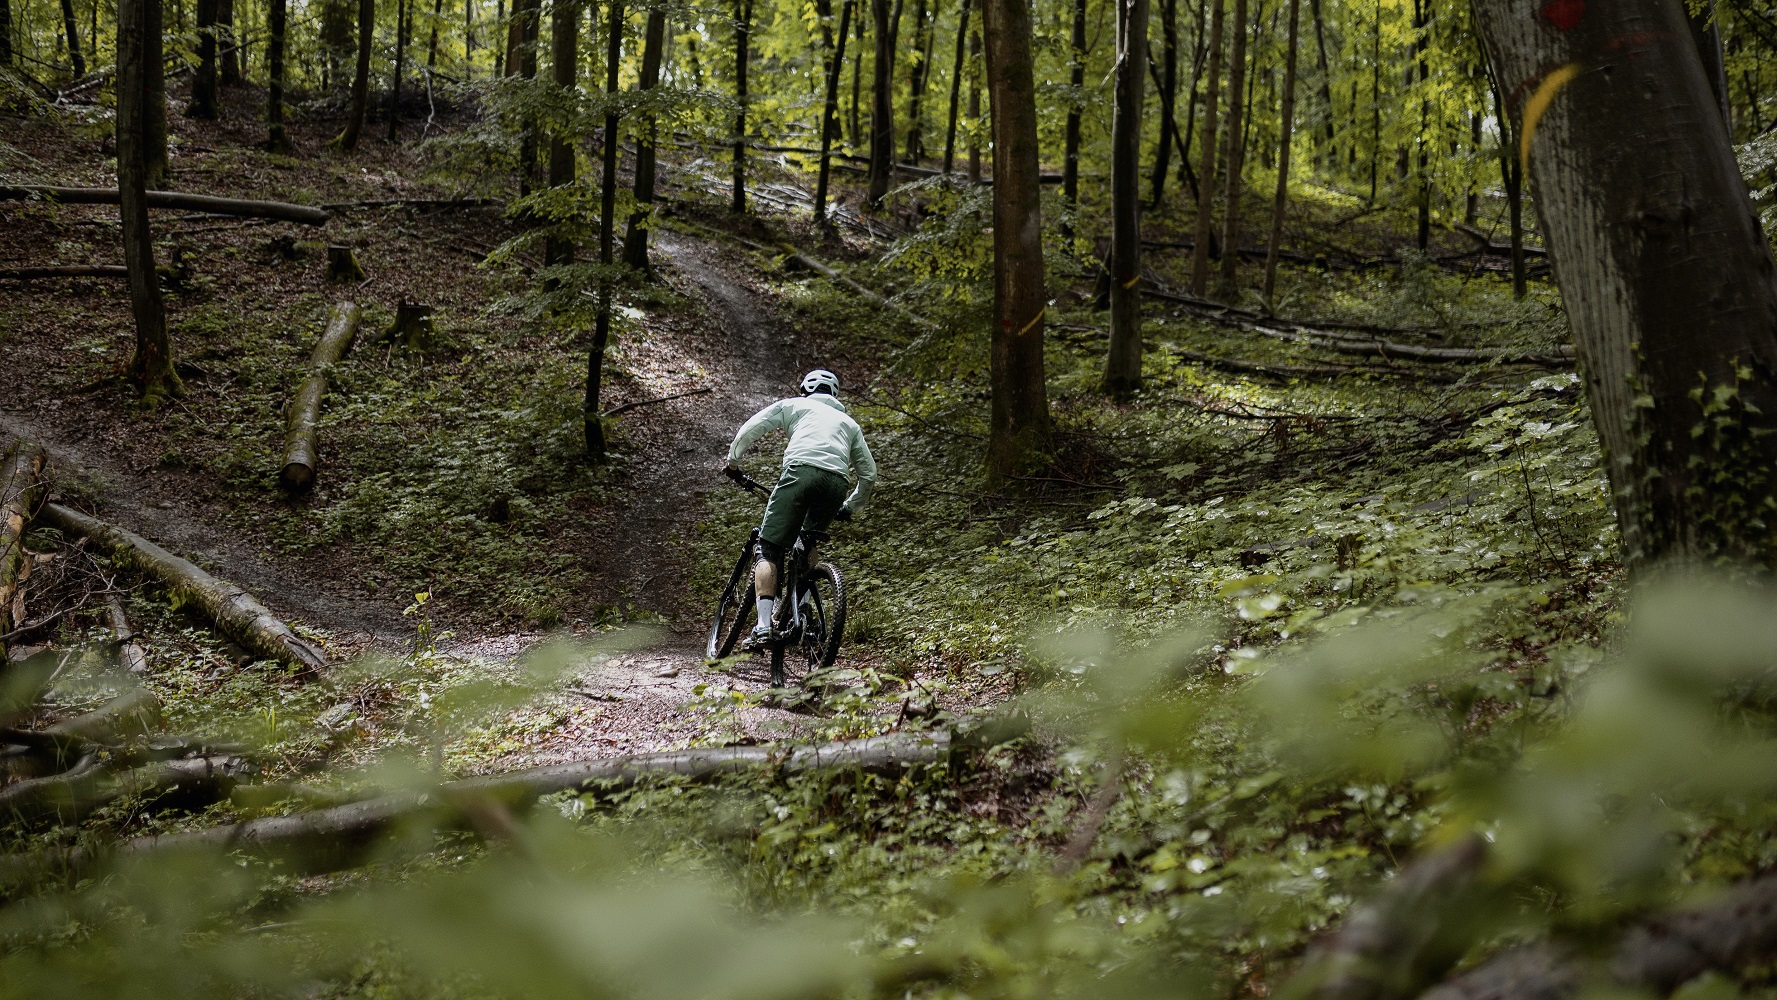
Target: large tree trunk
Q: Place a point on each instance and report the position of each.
(1168, 96)
(203, 82)
(882, 107)
(743, 30)
(276, 140)
(830, 110)
(591, 420)
(401, 19)
(923, 21)
(1019, 437)
(564, 60)
(75, 60)
(1230, 288)
(1206, 180)
(301, 454)
(1666, 277)
(151, 367)
(228, 42)
(348, 139)
(1122, 366)
(1286, 129)
(21, 490)
(1070, 150)
(635, 236)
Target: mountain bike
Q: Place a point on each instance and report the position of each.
(805, 632)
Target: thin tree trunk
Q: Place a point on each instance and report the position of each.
(975, 60)
(6, 58)
(276, 140)
(203, 82)
(1229, 289)
(1421, 19)
(1168, 96)
(956, 85)
(1286, 125)
(1511, 178)
(154, 95)
(830, 110)
(1666, 277)
(856, 132)
(401, 18)
(564, 62)
(743, 29)
(1070, 162)
(635, 237)
(601, 332)
(1326, 73)
(1019, 436)
(1122, 367)
(348, 140)
(882, 107)
(228, 44)
(527, 24)
(916, 82)
(469, 39)
(1206, 180)
(1375, 102)
(432, 41)
(151, 369)
(1706, 36)
(75, 59)
(499, 50)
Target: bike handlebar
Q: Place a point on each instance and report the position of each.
(745, 481)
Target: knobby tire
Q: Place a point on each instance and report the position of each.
(731, 610)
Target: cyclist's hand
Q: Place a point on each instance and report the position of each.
(732, 471)
(843, 515)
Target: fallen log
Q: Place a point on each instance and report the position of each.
(235, 612)
(282, 211)
(1310, 371)
(1489, 246)
(339, 837)
(796, 256)
(301, 456)
(89, 786)
(21, 490)
(130, 654)
(65, 271)
(370, 203)
(134, 711)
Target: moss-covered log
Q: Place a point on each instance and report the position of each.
(245, 208)
(301, 456)
(21, 490)
(236, 613)
(90, 786)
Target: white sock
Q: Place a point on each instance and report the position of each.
(765, 612)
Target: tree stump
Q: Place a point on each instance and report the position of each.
(342, 265)
(412, 328)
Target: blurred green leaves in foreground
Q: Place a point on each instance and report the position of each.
(1261, 796)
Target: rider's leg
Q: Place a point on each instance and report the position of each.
(764, 589)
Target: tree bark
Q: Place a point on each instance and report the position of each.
(285, 211)
(1230, 289)
(348, 139)
(522, 62)
(1070, 150)
(1020, 431)
(235, 612)
(1122, 368)
(975, 60)
(1286, 129)
(151, 367)
(130, 654)
(1666, 277)
(154, 96)
(564, 62)
(1168, 93)
(203, 82)
(956, 85)
(882, 107)
(276, 140)
(1706, 36)
(591, 420)
(21, 491)
(743, 29)
(855, 132)
(923, 24)
(228, 43)
(401, 20)
(301, 454)
(830, 110)
(76, 61)
(1206, 181)
(1326, 73)
(6, 59)
(635, 237)
(432, 37)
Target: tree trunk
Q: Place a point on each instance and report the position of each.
(591, 420)
(1286, 127)
(276, 139)
(1706, 36)
(6, 59)
(348, 139)
(1511, 178)
(635, 237)
(527, 24)
(1666, 278)
(882, 107)
(75, 59)
(1020, 431)
(564, 61)
(235, 612)
(956, 85)
(1422, 19)
(1168, 95)
(228, 41)
(306, 214)
(975, 59)
(1070, 150)
(401, 18)
(203, 82)
(1326, 72)
(743, 29)
(432, 39)
(151, 368)
(468, 39)
(1206, 180)
(916, 82)
(154, 96)
(301, 454)
(1122, 368)
(21, 490)
(1229, 290)
(830, 110)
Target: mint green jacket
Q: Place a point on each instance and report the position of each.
(821, 434)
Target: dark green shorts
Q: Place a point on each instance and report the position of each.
(805, 498)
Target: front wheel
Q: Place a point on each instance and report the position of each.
(731, 610)
(823, 617)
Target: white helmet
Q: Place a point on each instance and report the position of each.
(820, 380)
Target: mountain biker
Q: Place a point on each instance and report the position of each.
(826, 445)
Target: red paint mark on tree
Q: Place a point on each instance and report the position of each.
(1564, 14)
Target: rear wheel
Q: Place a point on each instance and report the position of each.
(823, 614)
(731, 610)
